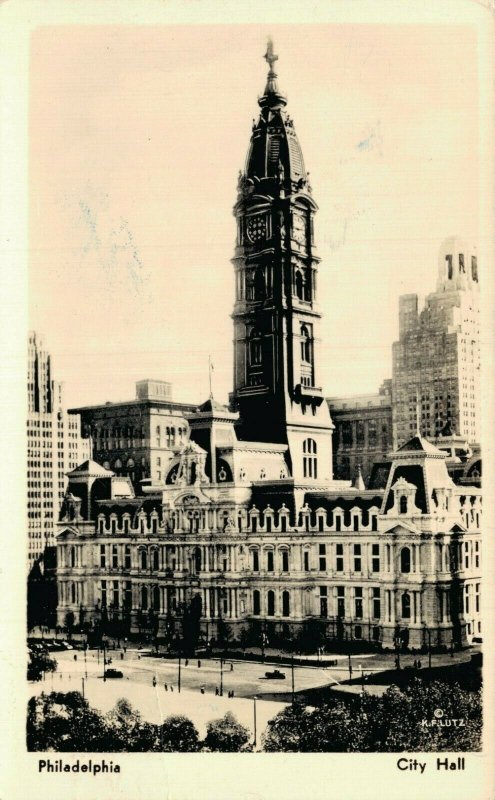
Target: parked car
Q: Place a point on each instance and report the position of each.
(113, 673)
(275, 674)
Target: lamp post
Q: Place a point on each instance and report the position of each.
(254, 712)
(292, 670)
(104, 660)
(350, 667)
(221, 676)
(178, 687)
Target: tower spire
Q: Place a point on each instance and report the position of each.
(272, 96)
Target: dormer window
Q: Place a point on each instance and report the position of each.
(403, 504)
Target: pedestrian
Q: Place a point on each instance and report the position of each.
(154, 680)
(121, 656)
(202, 690)
(165, 687)
(232, 693)
(216, 691)
(419, 664)
(75, 656)
(199, 664)
(186, 662)
(171, 688)
(231, 667)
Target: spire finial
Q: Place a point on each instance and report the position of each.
(270, 56)
(272, 97)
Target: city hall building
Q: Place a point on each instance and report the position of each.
(248, 526)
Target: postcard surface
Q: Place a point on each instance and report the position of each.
(247, 400)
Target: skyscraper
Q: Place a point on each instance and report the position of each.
(54, 446)
(436, 362)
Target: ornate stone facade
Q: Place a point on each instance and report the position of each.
(249, 530)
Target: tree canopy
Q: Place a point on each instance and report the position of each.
(420, 717)
(226, 735)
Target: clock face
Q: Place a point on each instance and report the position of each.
(299, 229)
(256, 228)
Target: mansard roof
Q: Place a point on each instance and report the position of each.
(418, 444)
(90, 469)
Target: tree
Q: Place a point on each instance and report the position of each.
(178, 735)
(191, 624)
(224, 632)
(65, 723)
(129, 732)
(286, 731)
(39, 663)
(398, 721)
(69, 622)
(226, 735)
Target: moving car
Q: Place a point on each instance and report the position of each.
(275, 674)
(113, 673)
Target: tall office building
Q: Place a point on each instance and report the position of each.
(436, 362)
(137, 438)
(54, 446)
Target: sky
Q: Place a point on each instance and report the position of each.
(137, 135)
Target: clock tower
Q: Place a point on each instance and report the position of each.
(276, 316)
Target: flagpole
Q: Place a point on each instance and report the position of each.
(209, 376)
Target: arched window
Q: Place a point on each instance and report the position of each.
(299, 283)
(270, 603)
(285, 560)
(155, 559)
(306, 348)
(144, 598)
(73, 592)
(156, 598)
(255, 560)
(197, 559)
(144, 558)
(269, 560)
(310, 460)
(256, 602)
(259, 284)
(405, 560)
(403, 504)
(406, 606)
(73, 556)
(255, 348)
(285, 604)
